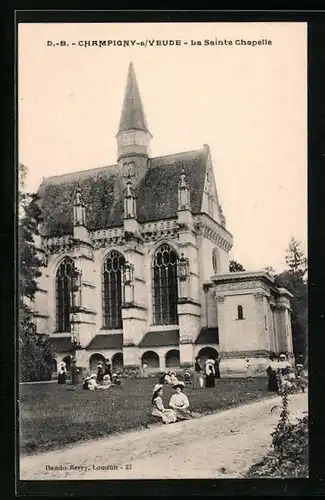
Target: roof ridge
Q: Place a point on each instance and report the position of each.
(177, 154)
(78, 172)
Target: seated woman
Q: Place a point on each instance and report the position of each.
(179, 402)
(271, 371)
(106, 384)
(173, 378)
(116, 379)
(85, 384)
(92, 382)
(167, 416)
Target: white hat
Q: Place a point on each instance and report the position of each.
(179, 383)
(87, 378)
(282, 355)
(93, 375)
(157, 387)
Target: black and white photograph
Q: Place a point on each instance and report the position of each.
(163, 273)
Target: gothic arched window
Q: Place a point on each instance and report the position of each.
(63, 295)
(112, 290)
(164, 286)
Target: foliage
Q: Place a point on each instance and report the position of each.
(295, 258)
(294, 279)
(35, 351)
(289, 456)
(132, 373)
(101, 413)
(235, 267)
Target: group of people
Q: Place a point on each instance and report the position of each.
(104, 378)
(205, 374)
(179, 405)
(283, 375)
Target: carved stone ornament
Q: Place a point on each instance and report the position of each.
(220, 298)
(259, 296)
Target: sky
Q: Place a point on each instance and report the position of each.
(247, 102)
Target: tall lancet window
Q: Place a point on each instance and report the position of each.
(64, 295)
(112, 290)
(164, 286)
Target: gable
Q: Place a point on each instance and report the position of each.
(210, 191)
(102, 193)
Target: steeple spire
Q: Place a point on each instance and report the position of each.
(132, 117)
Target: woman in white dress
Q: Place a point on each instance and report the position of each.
(179, 402)
(167, 416)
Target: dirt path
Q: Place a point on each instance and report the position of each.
(222, 445)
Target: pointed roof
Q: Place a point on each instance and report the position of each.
(132, 116)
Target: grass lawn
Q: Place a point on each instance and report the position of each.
(53, 415)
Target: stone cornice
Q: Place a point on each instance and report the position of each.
(188, 300)
(241, 285)
(213, 231)
(133, 305)
(261, 353)
(88, 284)
(152, 231)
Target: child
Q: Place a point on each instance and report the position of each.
(167, 416)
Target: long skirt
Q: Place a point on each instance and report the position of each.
(167, 416)
(185, 414)
(196, 380)
(272, 385)
(62, 378)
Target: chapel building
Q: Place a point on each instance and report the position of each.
(136, 259)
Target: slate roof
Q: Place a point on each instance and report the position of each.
(208, 335)
(106, 341)
(132, 116)
(157, 193)
(159, 339)
(61, 344)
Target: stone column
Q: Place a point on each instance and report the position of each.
(261, 332)
(222, 322)
(86, 315)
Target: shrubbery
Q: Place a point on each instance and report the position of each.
(289, 456)
(133, 373)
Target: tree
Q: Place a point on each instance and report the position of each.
(295, 258)
(235, 267)
(294, 278)
(35, 350)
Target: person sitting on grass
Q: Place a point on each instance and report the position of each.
(179, 402)
(85, 384)
(116, 380)
(92, 382)
(173, 378)
(106, 382)
(167, 416)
